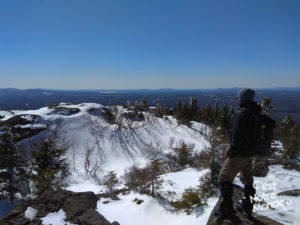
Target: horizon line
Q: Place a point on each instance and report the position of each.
(151, 89)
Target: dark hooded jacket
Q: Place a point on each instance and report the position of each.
(244, 127)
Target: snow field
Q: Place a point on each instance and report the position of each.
(56, 218)
(278, 180)
(156, 211)
(179, 181)
(117, 148)
(150, 212)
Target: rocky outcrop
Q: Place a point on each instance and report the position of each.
(22, 126)
(19, 120)
(262, 163)
(236, 197)
(65, 111)
(295, 192)
(78, 207)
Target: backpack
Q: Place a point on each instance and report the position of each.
(264, 134)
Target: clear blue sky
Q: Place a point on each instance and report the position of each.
(121, 44)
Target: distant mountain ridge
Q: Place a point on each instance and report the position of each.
(286, 100)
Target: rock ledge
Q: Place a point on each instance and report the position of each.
(79, 208)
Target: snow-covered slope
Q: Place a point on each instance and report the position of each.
(121, 137)
(116, 143)
(119, 143)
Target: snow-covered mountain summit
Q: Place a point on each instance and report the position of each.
(114, 138)
(118, 136)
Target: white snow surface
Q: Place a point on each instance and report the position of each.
(116, 147)
(56, 218)
(33, 126)
(157, 211)
(278, 180)
(177, 182)
(30, 213)
(6, 114)
(150, 212)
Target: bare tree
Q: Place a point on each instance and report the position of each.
(89, 149)
(171, 142)
(56, 131)
(89, 168)
(73, 148)
(154, 151)
(118, 118)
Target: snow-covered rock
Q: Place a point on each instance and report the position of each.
(57, 208)
(57, 218)
(30, 213)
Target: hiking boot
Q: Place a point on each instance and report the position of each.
(244, 209)
(246, 205)
(228, 213)
(226, 207)
(233, 218)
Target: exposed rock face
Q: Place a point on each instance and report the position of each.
(19, 120)
(79, 209)
(295, 192)
(236, 197)
(66, 111)
(16, 122)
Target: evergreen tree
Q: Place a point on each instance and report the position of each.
(136, 179)
(217, 113)
(160, 110)
(186, 114)
(194, 109)
(178, 110)
(111, 181)
(289, 134)
(200, 115)
(184, 152)
(145, 105)
(231, 111)
(225, 119)
(154, 172)
(208, 115)
(49, 166)
(13, 166)
(267, 107)
(178, 107)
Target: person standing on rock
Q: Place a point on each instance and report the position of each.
(239, 155)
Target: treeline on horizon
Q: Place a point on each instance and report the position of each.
(285, 101)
